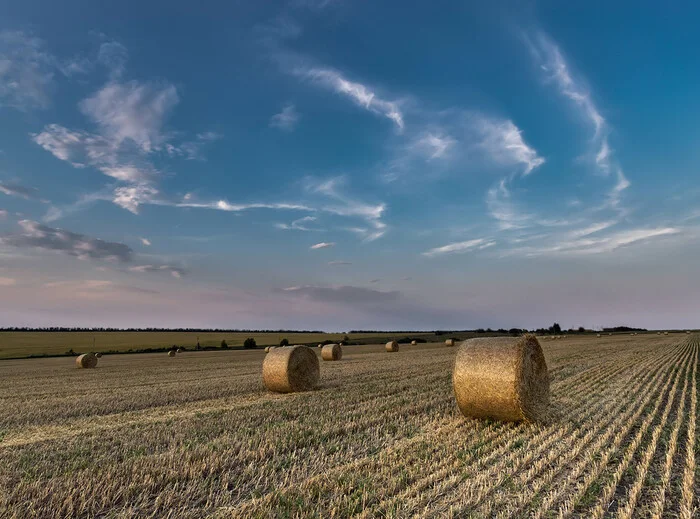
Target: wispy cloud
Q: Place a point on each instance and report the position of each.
(133, 112)
(132, 197)
(300, 224)
(350, 207)
(460, 247)
(224, 205)
(114, 56)
(339, 263)
(362, 95)
(592, 229)
(7, 282)
(343, 294)
(176, 272)
(586, 245)
(3, 213)
(322, 245)
(26, 71)
(287, 119)
(552, 63)
(145, 241)
(434, 145)
(503, 209)
(503, 141)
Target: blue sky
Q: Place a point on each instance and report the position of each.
(340, 165)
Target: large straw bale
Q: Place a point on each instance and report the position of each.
(86, 360)
(332, 352)
(392, 346)
(286, 370)
(503, 378)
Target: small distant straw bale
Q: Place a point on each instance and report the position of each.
(450, 342)
(98, 355)
(332, 352)
(286, 370)
(171, 353)
(503, 378)
(392, 346)
(86, 361)
(414, 342)
(320, 346)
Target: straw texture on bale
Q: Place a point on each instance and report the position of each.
(332, 352)
(503, 378)
(86, 360)
(171, 353)
(450, 342)
(392, 346)
(286, 370)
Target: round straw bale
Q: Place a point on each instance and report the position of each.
(286, 370)
(332, 352)
(414, 342)
(665, 333)
(179, 350)
(320, 346)
(501, 377)
(392, 346)
(98, 355)
(597, 335)
(450, 342)
(171, 353)
(86, 360)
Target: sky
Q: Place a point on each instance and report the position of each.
(337, 165)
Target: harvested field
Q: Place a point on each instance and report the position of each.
(382, 437)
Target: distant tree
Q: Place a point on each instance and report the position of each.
(249, 343)
(345, 339)
(555, 329)
(284, 342)
(224, 345)
(581, 329)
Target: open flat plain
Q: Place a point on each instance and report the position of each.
(197, 435)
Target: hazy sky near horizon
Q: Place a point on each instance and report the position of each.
(341, 165)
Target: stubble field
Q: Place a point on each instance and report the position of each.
(198, 436)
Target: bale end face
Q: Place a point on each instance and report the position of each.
(392, 346)
(287, 370)
(86, 361)
(502, 378)
(332, 352)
